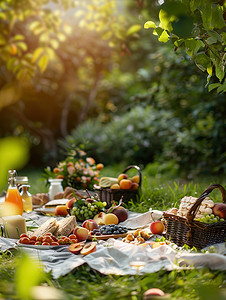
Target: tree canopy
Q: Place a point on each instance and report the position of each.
(199, 27)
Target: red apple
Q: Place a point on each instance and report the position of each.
(81, 233)
(122, 176)
(219, 209)
(75, 248)
(121, 213)
(90, 200)
(70, 203)
(90, 224)
(157, 227)
(88, 248)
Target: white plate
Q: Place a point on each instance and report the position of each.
(41, 247)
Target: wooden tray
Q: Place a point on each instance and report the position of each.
(107, 236)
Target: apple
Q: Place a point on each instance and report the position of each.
(136, 179)
(155, 293)
(90, 224)
(110, 219)
(90, 200)
(135, 186)
(115, 186)
(121, 213)
(81, 233)
(88, 248)
(75, 248)
(219, 209)
(122, 176)
(70, 203)
(157, 227)
(99, 218)
(125, 184)
(61, 210)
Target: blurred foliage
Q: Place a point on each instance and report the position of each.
(179, 122)
(14, 154)
(198, 27)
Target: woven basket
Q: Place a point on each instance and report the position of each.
(194, 233)
(110, 195)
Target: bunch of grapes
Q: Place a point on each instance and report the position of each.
(209, 219)
(84, 210)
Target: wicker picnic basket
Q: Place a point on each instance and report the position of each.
(194, 233)
(109, 195)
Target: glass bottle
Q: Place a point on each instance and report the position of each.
(55, 187)
(13, 197)
(26, 198)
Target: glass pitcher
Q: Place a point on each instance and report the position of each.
(55, 187)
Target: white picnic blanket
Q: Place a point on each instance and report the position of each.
(114, 256)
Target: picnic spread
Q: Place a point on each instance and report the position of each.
(74, 227)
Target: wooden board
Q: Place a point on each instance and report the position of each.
(107, 236)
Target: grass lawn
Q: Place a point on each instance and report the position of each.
(84, 283)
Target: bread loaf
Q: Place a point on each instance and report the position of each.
(50, 226)
(40, 199)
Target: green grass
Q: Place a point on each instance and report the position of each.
(158, 192)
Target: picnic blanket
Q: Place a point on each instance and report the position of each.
(114, 256)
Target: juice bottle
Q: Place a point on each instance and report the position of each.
(26, 198)
(13, 197)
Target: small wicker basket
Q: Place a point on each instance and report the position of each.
(109, 195)
(194, 233)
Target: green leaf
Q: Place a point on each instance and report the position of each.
(213, 86)
(149, 24)
(18, 37)
(219, 66)
(202, 61)
(217, 17)
(34, 25)
(43, 62)
(133, 29)
(22, 45)
(165, 20)
(206, 13)
(194, 4)
(192, 46)
(38, 52)
(164, 37)
(222, 88)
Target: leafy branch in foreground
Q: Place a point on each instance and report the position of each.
(198, 27)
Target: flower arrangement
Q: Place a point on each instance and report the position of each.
(77, 170)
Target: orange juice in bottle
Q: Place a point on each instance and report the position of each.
(13, 197)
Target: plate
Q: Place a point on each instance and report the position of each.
(45, 211)
(107, 236)
(41, 247)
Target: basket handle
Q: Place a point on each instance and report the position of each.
(138, 169)
(193, 210)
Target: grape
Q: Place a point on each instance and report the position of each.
(207, 217)
(205, 214)
(212, 216)
(222, 220)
